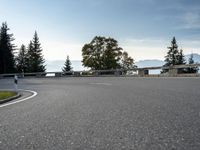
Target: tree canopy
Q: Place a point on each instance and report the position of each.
(102, 54)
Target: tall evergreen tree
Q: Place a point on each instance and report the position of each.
(181, 58)
(28, 60)
(192, 69)
(174, 56)
(21, 60)
(7, 62)
(35, 57)
(67, 66)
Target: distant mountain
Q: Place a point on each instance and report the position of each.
(156, 62)
(196, 57)
(57, 65)
(149, 63)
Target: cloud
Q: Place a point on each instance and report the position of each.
(191, 20)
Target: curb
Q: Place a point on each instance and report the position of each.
(10, 99)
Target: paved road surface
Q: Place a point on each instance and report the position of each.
(103, 113)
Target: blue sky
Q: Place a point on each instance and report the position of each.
(144, 28)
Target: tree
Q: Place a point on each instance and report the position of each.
(127, 61)
(192, 69)
(21, 60)
(34, 56)
(7, 62)
(67, 66)
(174, 56)
(28, 60)
(102, 54)
(181, 61)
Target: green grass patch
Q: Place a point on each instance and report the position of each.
(6, 94)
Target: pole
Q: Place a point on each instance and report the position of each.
(15, 83)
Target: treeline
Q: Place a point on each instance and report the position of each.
(175, 56)
(100, 54)
(103, 54)
(27, 59)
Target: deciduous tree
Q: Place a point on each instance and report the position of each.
(101, 54)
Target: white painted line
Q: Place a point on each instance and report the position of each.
(21, 100)
(101, 83)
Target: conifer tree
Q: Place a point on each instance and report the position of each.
(67, 66)
(192, 69)
(7, 62)
(35, 57)
(21, 60)
(174, 56)
(28, 59)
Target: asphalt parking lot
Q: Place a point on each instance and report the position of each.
(103, 113)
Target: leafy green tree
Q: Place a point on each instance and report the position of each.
(127, 61)
(7, 61)
(21, 60)
(67, 66)
(174, 56)
(102, 54)
(35, 57)
(192, 69)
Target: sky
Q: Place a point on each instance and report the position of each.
(143, 28)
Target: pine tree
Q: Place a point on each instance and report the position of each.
(35, 57)
(174, 56)
(181, 61)
(21, 60)
(67, 66)
(7, 62)
(192, 69)
(28, 58)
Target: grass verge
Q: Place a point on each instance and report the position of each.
(6, 94)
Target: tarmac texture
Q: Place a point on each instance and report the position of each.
(104, 113)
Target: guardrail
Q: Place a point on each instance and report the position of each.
(141, 72)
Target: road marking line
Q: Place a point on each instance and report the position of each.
(101, 83)
(21, 100)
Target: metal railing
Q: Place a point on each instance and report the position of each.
(114, 72)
